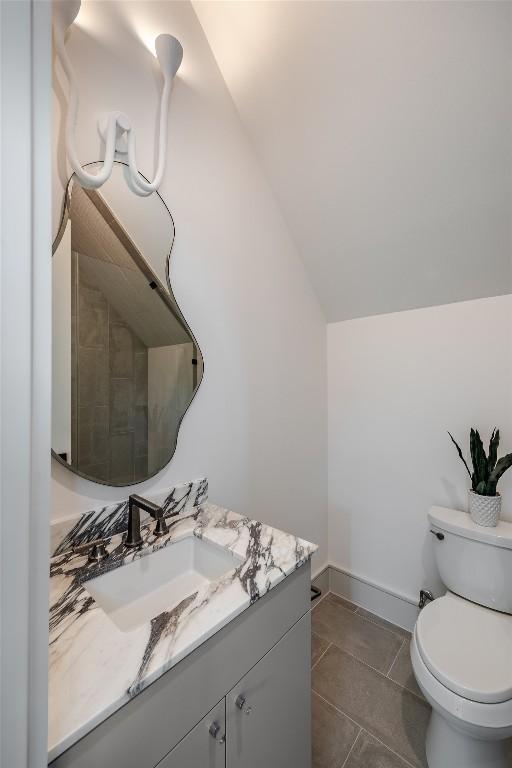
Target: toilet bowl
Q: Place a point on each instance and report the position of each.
(467, 683)
(461, 649)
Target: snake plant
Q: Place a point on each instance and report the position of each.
(487, 469)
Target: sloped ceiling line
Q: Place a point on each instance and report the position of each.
(384, 130)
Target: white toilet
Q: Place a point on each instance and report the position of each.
(461, 648)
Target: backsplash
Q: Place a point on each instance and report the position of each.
(113, 519)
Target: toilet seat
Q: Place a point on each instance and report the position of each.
(484, 720)
(467, 648)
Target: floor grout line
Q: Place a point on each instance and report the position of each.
(404, 639)
(396, 657)
(361, 661)
(405, 687)
(366, 664)
(352, 747)
(377, 622)
(419, 696)
(319, 600)
(394, 752)
(341, 712)
(321, 655)
(344, 603)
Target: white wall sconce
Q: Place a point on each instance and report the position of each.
(115, 127)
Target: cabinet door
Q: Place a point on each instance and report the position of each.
(268, 714)
(204, 746)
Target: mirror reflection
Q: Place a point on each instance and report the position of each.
(125, 363)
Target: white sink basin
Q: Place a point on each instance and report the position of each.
(135, 593)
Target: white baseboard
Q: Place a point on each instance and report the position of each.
(322, 579)
(393, 607)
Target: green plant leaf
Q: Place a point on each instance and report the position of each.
(459, 451)
(501, 467)
(482, 488)
(480, 460)
(493, 449)
(474, 462)
(491, 488)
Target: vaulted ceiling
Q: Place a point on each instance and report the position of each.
(385, 131)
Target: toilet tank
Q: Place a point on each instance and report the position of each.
(473, 561)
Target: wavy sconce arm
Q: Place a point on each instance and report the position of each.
(116, 125)
(143, 187)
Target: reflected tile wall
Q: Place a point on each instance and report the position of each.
(110, 389)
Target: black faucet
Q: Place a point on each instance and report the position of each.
(135, 504)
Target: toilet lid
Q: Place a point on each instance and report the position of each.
(467, 647)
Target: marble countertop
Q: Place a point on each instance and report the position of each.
(95, 667)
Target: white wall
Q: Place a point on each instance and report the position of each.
(25, 373)
(384, 130)
(257, 425)
(396, 384)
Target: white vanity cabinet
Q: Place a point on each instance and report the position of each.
(251, 679)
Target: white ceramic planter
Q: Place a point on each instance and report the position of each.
(484, 510)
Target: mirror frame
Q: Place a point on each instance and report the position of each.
(166, 294)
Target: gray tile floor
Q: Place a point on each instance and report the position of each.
(368, 711)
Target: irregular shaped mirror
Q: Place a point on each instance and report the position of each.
(126, 365)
